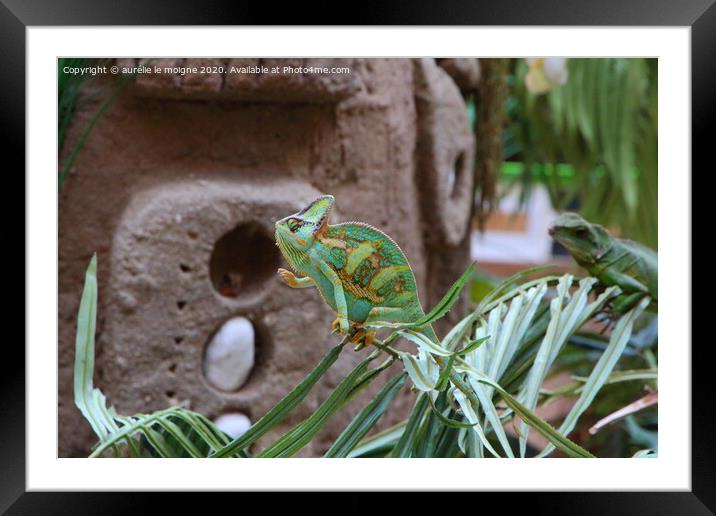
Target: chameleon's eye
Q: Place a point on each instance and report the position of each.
(293, 224)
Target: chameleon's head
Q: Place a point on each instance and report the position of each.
(296, 233)
(586, 242)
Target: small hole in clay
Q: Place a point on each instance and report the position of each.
(172, 368)
(184, 267)
(170, 394)
(178, 340)
(192, 234)
(243, 260)
(181, 305)
(455, 178)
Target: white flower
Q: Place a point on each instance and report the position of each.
(545, 74)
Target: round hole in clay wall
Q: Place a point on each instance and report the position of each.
(243, 260)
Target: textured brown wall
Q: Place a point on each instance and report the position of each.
(179, 161)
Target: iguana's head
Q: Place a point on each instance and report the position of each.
(586, 242)
(296, 233)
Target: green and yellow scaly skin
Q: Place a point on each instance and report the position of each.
(360, 271)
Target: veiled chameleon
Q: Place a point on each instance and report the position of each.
(360, 271)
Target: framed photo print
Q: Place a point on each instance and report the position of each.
(434, 235)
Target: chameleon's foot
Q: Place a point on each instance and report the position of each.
(340, 325)
(288, 277)
(357, 336)
(362, 338)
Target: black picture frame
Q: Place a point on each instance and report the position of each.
(17, 15)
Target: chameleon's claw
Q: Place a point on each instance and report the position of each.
(288, 277)
(362, 338)
(357, 336)
(340, 325)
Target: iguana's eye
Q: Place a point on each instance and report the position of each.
(582, 233)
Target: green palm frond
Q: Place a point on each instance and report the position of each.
(68, 92)
(519, 341)
(69, 88)
(173, 432)
(178, 432)
(603, 124)
(488, 370)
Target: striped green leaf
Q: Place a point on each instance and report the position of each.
(365, 419)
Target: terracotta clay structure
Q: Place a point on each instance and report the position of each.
(177, 189)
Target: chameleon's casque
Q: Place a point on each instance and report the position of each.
(360, 271)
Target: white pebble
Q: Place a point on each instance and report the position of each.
(233, 424)
(229, 356)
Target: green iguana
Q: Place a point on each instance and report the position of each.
(360, 271)
(613, 261)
